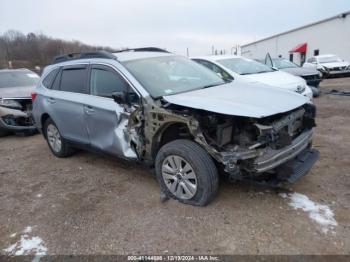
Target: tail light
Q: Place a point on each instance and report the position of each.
(34, 95)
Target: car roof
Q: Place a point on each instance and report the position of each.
(216, 57)
(122, 56)
(119, 56)
(132, 55)
(15, 70)
(327, 55)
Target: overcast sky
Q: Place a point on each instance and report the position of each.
(171, 24)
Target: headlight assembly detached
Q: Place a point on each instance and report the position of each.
(10, 104)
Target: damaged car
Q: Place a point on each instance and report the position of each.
(16, 86)
(329, 65)
(176, 116)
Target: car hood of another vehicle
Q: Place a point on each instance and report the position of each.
(278, 79)
(300, 71)
(240, 98)
(17, 92)
(335, 64)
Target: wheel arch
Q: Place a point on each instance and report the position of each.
(43, 119)
(170, 132)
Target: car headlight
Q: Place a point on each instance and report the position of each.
(300, 88)
(320, 74)
(10, 104)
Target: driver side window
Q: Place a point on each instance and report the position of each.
(104, 81)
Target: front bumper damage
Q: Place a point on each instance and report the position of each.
(279, 140)
(287, 164)
(272, 158)
(290, 149)
(15, 120)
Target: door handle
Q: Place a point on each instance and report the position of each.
(89, 109)
(51, 100)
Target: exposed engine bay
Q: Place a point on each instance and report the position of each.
(276, 131)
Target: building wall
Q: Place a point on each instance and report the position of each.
(330, 37)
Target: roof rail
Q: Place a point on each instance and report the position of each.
(143, 49)
(84, 55)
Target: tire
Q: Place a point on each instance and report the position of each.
(194, 162)
(64, 150)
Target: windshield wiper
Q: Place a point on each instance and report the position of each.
(212, 85)
(261, 72)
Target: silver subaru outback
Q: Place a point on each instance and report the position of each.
(177, 116)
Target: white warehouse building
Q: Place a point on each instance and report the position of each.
(328, 36)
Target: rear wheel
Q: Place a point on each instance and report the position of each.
(57, 144)
(4, 133)
(187, 173)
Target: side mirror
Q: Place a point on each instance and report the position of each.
(274, 68)
(120, 97)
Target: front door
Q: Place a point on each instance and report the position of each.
(106, 120)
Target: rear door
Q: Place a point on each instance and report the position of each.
(106, 120)
(66, 102)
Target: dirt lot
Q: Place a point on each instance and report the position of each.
(90, 204)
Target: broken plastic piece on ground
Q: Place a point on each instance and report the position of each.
(338, 93)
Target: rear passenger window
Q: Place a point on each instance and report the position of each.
(104, 82)
(74, 80)
(48, 80)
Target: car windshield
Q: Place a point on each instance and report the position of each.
(283, 63)
(329, 59)
(18, 78)
(245, 66)
(168, 75)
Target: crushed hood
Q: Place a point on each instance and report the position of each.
(300, 71)
(240, 99)
(278, 79)
(17, 92)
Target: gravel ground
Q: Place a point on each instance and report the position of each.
(90, 204)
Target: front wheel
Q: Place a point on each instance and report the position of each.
(186, 172)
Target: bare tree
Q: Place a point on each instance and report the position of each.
(33, 50)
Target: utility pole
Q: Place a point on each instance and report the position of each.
(188, 52)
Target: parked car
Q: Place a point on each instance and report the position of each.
(328, 65)
(168, 112)
(233, 67)
(312, 76)
(16, 86)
